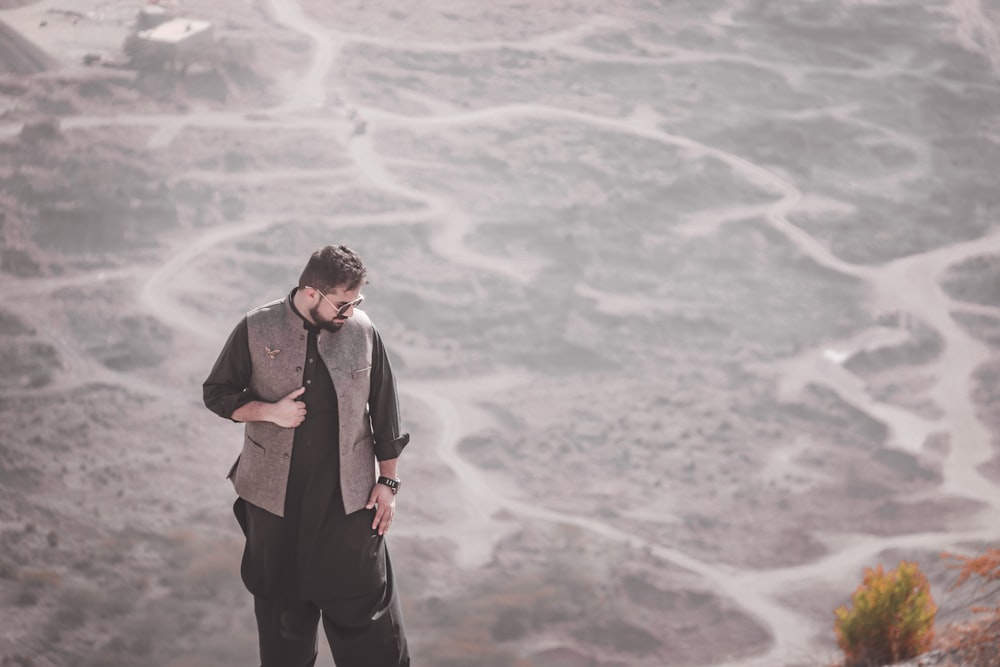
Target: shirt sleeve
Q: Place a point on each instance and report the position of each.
(383, 405)
(227, 387)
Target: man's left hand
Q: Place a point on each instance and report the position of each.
(384, 500)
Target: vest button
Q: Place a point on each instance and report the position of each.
(284, 456)
(298, 369)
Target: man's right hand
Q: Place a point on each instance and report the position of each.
(289, 412)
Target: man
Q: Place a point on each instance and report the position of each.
(310, 377)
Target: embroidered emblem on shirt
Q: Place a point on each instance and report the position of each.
(271, 354)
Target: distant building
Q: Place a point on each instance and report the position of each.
(174, 42)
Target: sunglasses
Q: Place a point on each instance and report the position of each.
(342, 308)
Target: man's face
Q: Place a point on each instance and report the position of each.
(332, 309)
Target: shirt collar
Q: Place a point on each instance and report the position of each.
(306, 324)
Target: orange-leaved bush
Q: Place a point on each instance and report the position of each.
(976, 642)
(891, 619)
(986, 566)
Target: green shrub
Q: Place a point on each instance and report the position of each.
(892, 618)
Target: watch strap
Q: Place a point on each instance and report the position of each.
(392, 483)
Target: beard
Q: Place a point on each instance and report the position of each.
(333, 326)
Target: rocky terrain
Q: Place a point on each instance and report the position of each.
(694, 309)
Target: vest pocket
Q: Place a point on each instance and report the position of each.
(256, 444)
(232, 468)
(251, 465)
(362, 372)
(367, 440)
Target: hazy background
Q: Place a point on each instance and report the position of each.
(693, 308)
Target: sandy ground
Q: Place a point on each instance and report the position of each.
(694, 310)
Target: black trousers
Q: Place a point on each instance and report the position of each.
(362, 632)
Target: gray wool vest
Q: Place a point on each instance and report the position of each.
(278, 350)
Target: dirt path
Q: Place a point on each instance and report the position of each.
(976, 31)
(910, 284)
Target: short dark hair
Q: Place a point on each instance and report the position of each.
(334, 266)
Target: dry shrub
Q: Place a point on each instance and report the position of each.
(892, 618)
(976, 643)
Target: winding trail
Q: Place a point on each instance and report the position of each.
(911, 284)
(755, 591)
(976, 31)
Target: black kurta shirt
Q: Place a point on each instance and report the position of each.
(314, 552)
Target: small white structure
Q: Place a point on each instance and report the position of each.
(177, 42)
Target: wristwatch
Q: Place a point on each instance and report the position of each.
(391, 482)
